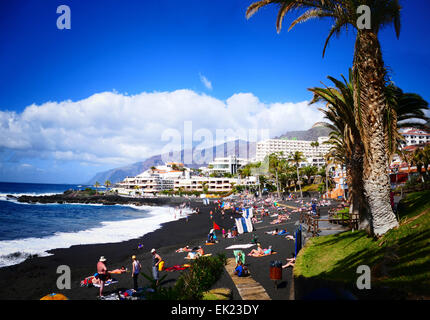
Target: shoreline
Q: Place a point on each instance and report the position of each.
(36, 277)
(14, 251)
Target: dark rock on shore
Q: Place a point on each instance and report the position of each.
(86, 197)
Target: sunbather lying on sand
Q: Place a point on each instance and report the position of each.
(195, 254)
(184, 249)
(281, 218)
(273, 232)
(259, 252)
(119, 271)
(290, 262)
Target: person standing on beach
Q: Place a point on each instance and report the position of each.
(156, 259)
(103, 274)
(136, 266)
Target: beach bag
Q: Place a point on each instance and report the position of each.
(161, 265)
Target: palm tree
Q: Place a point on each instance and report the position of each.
(418, 161)
(315, 144)
(309, 171)
(277, 165)
(426, 158)
(97, 185)
(408, 107)
(406, 156)
(108, 183)
(346, 145)
(345, 137)
(296, 158)
(369, 85)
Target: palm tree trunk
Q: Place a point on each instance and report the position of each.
(355, 185)
(277, 183)
(370, 105)
(259, 187)
(298, 181)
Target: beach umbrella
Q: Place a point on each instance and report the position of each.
(54, 296)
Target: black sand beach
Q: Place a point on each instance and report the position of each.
(37, 277)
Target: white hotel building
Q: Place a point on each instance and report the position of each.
(229, 165)
(415, 137)
(176, 177)
(314, 155)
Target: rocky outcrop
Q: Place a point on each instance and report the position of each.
(85, 197)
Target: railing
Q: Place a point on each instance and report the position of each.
(312, 221)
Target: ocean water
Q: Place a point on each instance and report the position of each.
(33, 229)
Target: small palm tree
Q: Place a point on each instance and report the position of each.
(108, 184)
(97, 185)
(406, 156)
(296, 158)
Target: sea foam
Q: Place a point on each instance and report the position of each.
(16, 251)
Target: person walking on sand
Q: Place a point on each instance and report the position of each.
(103, 274)
(136, 266)
(156, 259)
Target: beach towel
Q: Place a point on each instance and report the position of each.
(241, 256)
(244, 225)
(94, 281)
(241, 246)
(112, 296)
(107, 283)
(269, 254)
(177, 267)
(247, 213)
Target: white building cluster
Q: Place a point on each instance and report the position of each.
(414, 137)
(177, 177)
(314, 154)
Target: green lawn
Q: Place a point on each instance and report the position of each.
(342, 214)
(400, 259)
(310, 188)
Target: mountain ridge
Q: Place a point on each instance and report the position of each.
(118, 174)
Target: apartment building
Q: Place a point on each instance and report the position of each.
(314, 154)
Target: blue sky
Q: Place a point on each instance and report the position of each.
(134, 47)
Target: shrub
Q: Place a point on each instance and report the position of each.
(203, 273)
(191, 285)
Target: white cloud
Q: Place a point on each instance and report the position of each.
(114, 128)
(205, 82)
